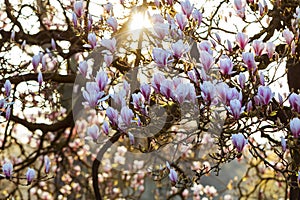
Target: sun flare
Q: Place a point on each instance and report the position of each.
(139, 21)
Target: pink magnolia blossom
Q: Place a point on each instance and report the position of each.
(295, 127)
(74, 19)
(197, 15)
(156, 81)
(30, 174)
(126, 115)
(242, 40)
(169, 2)
(108, 7)
(226, 66)
(78, 8)
(92, 94)
(208, 91)
(7, 87)
(160, 57)
(236, 108)
(270, 48)
(93, 132)
(146, 90)
(119, 98)
(294, 100)
(187, 8)
(283, 143)
(161, 30)
(7, 169)
(265, 94)
(53, 44)
(101, 80)
(112, 22)
(157, 19)
(40, 78)
(248, 59)
(105, 127)
(181, 92)
(36, 59)
(262, 78)
(242, 80)
(13, 35)
(47, 164)
(258, 47)
(90, 22)
(288, 36)
(83, 68)
(156, 3)
(92, 40)
(239, 6)
(239, 141)
(167, 88)
(179, 48)
(181, 20)
(131, 138)
(108, 59)
(7, 113)
(173, 176)
(138, 101)
(207, 60)
(112, 115)
(229, 46)
(204, 46)
(249, 106)
(110, 44)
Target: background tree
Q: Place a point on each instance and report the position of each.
(151, 108)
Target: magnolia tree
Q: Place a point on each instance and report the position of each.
(150, 99)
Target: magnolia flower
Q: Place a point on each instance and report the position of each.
(239, 141)
(92, 94)
(283, 143)
(138, 101)
(258, 47)
(249, 106)
(181, 92)
(146, 90)
(179, 49)
(187, 8)
(197, 16)
(294, 100)
(288, 36)
(36, 59)
(204, 46)
(92, 40)
(240, 8)
(173, 176)
(74, 19)
(126, 115)
(236, 108)
(13, 35)
(90, 22)
(7, 87)
(270, 48)
(265, 94)
(161, 30)
(248, 59)
(93, 132)
(156, 82)
(160, 57)
(242, 40)
(78, 8)
(157, 19)
(47, 164)
(53, 44)
(108, 59)
(208, 91)
(40, 78)
(242, 80)
(105, 127)
(170, 2)
(101, 80)
(295, 127)
(207, 60)
(167, 88)
(262, 78)
(8, 112)
(30, 174)
(181, 21)
(108, 7)
(110, 44)
(112, 115)
(7, 169)
(229, 46)
(226, 66)
(131, 138)
(112, 22)
(83, 68)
